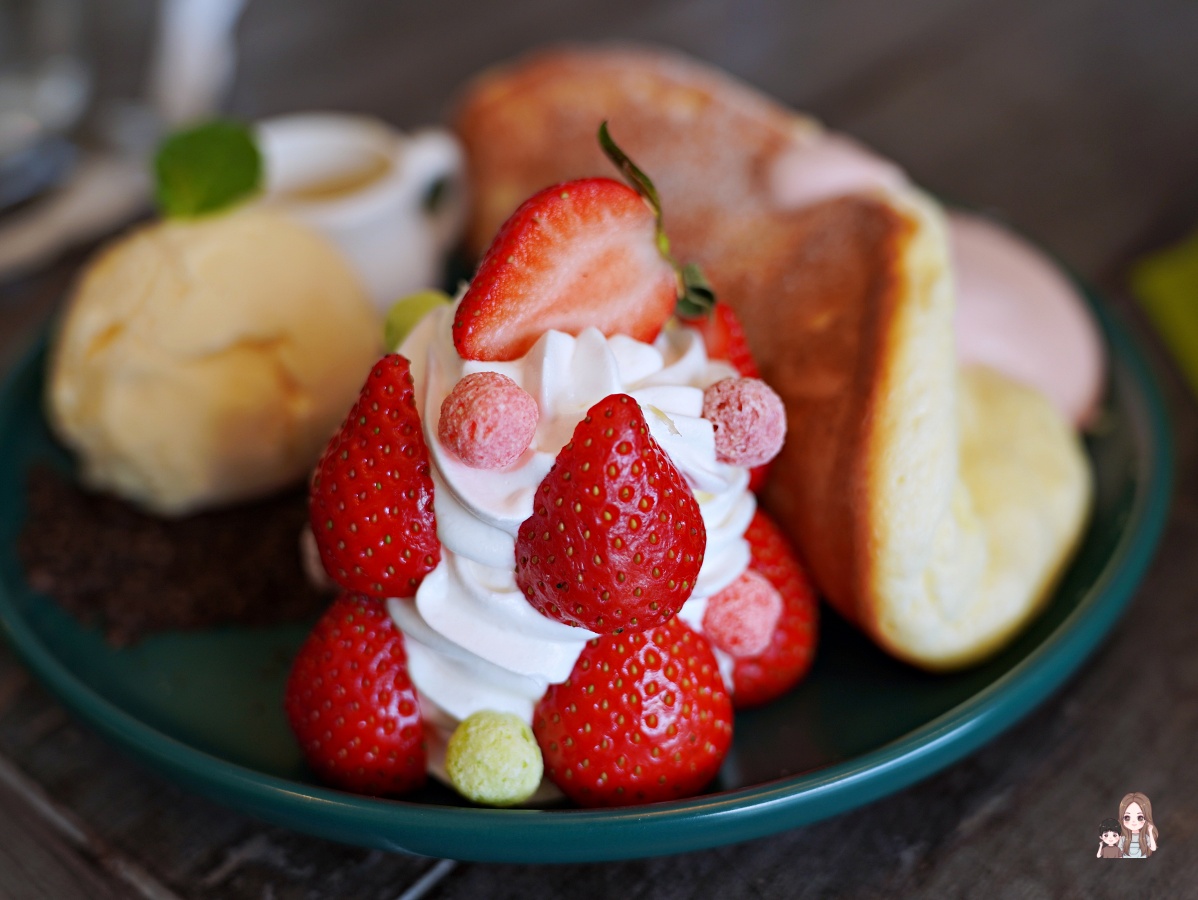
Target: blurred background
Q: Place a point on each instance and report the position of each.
(1078, 113)
(1074, 120)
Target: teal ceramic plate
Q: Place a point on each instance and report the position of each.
(205, 708)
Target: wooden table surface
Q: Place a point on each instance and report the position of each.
(1077, 120)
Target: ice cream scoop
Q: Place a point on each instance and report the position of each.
(206, 362)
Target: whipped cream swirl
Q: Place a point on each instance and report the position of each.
(473, 640)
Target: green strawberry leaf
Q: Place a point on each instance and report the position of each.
(697, 298)
(206, 169)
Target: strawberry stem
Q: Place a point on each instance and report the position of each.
(696, 298)
(641, 182)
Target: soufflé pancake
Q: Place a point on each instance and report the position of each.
(935, 505)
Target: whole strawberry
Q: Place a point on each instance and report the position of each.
(725, 339)
(759, 679)
(370, 501)
(643, 717)
(352, 705)
(616, 539)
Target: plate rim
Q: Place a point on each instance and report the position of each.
(534, 836)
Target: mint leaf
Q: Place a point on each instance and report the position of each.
(207, 168)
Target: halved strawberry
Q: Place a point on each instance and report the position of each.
(760, 679)
(583, 253)
(642, 717)
(351, 704)
(616, 538)
(370, 501)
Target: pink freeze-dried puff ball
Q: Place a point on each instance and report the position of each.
(741, 618)
(749, 420)
(487, 420)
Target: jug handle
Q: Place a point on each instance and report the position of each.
(433, 155)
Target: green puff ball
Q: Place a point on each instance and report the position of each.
(493, 759)
(407, 312)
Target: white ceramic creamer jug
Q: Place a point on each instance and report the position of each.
(393, 203)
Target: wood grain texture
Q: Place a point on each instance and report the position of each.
(1075, 120)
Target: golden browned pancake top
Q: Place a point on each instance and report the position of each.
(533, 123)
(818, 320)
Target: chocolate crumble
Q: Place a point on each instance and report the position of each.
(134, 574)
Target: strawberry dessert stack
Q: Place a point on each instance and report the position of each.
(539, 512)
